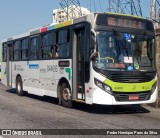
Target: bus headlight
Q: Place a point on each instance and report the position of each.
(154, 87)
(103, 86)
(99, 84)
(107, 88)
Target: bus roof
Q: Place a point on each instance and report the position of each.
(127, 15)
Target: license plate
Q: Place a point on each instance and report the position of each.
(133, 98)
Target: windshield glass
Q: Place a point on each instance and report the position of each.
(123, 51)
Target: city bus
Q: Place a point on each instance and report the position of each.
(100, 58)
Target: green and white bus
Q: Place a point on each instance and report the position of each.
(100, 58)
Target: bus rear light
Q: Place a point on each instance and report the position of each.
(90, 88)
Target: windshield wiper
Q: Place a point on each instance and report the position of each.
(119, 38)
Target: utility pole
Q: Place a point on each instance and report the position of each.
(153, 14)
(132, 7)
(155, 17)
(71, 8)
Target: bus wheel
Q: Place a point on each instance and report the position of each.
(19, 87)
(66, 96)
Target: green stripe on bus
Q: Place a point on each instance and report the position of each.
(130, 87)
(68, 70)
(126, 15)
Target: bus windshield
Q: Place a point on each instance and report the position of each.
(124, 52)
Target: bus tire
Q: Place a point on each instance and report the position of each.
(19, 86)
(65, 95)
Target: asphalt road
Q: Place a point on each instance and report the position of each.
(33, 112)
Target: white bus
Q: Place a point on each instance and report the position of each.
(100, 58)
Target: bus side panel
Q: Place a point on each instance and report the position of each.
(33, 78)
(47, 83)
(41, 77)
(3, 71)
(19, 68)
(51, 73)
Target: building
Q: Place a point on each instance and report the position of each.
(71, 12)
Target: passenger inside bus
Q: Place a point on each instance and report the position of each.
(56, 51)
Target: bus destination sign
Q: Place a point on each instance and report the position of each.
(124, 21)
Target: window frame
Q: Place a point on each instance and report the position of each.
(50, 44)
(4, 59)
(67, 42)
(16, 50)
(37, 48)
(27, 49)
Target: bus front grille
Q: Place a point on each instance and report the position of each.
(123, 97)
(129, 77)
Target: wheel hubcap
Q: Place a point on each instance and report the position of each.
(66, 94)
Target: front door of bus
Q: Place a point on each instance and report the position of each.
(8, 65)
(79, 64)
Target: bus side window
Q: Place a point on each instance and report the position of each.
(16, 47)
(63, 38)
(34, 49)
(47, 46)
(25, 49)
(4, 52)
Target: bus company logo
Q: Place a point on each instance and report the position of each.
(34, 66)
(133, 87)
(6, 133)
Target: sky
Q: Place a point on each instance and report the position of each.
(20, 16)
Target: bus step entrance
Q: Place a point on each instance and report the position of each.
(80, 94)
(79, 101)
